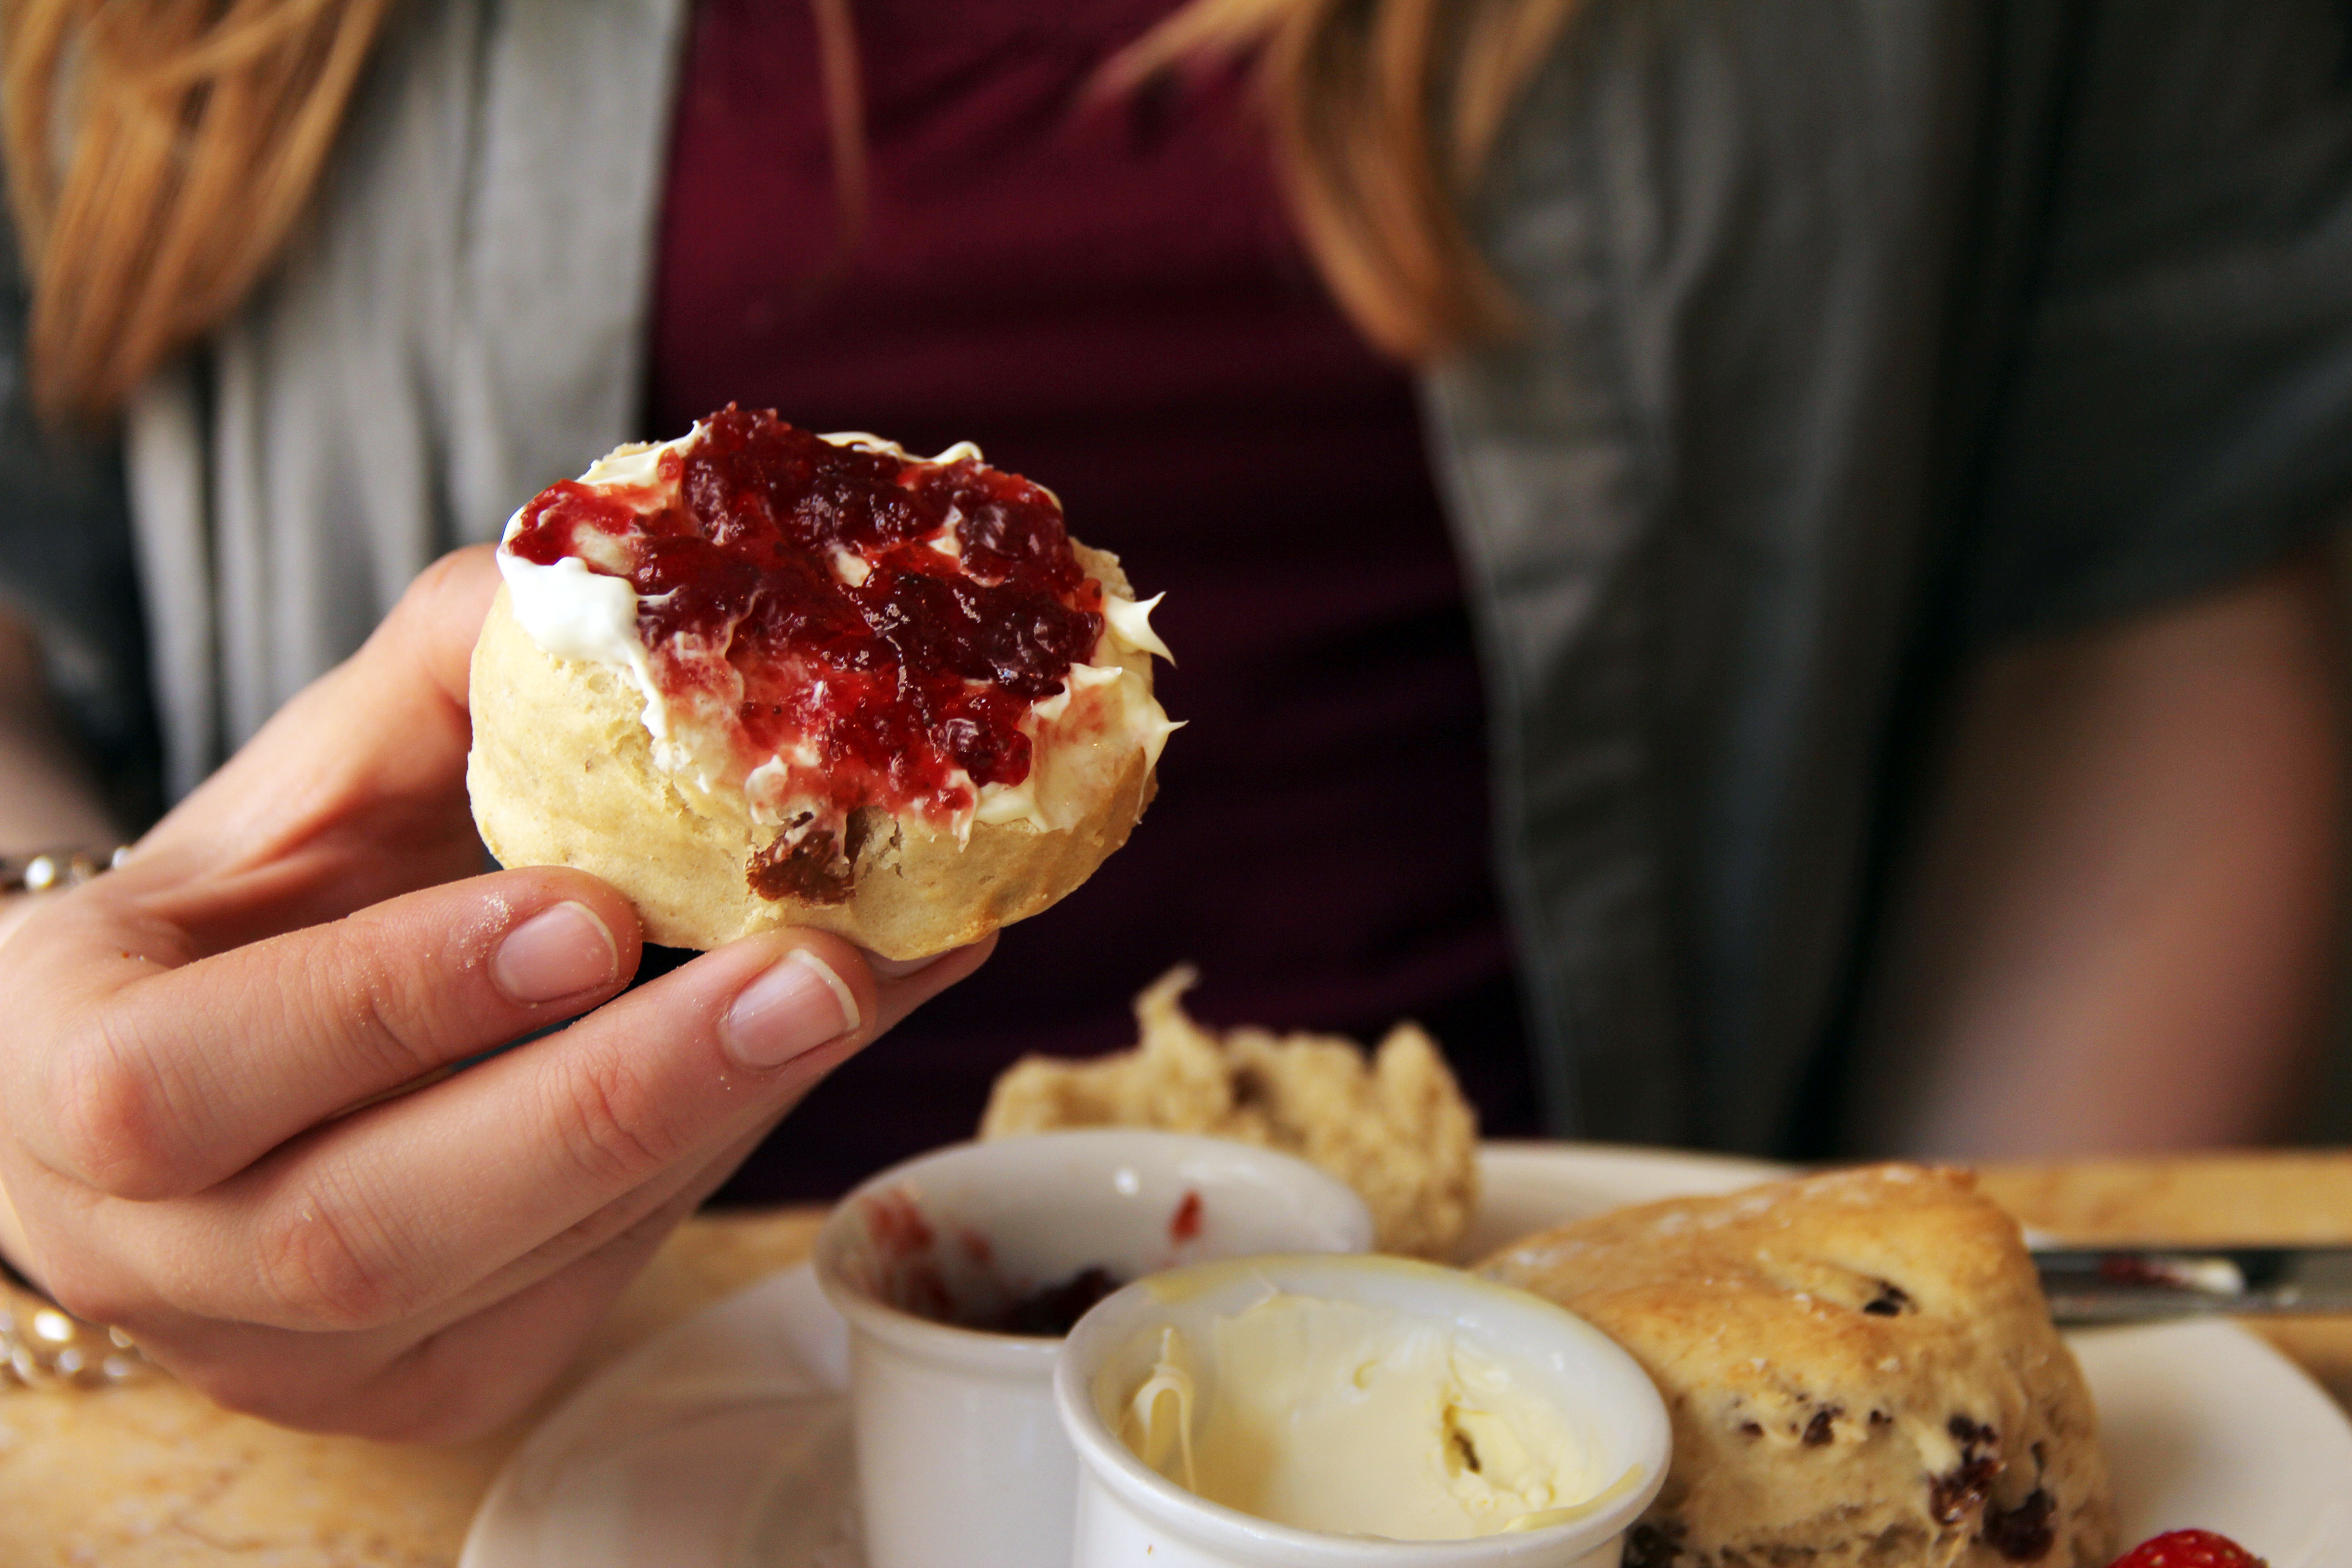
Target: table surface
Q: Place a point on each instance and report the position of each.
(153, 1475)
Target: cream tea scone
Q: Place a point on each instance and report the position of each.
(757, 677)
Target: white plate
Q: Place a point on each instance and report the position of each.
(723, 1443)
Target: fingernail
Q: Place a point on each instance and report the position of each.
(558, 952)
(899, 968)
(795, 1006)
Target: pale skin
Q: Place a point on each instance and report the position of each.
(2120, 931)
(189, 1037)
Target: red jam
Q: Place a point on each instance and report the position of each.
(922, 670)
(1050, 1311)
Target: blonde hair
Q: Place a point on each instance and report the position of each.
(161, 151)
(1383, 115)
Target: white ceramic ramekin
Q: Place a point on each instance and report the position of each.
(960, 1458)
(1129, 1514)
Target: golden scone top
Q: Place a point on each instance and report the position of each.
(1395, 1127)
(1859, 1368)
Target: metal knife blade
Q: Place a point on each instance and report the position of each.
(2140, 1283)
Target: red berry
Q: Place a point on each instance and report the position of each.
(2189, 1548)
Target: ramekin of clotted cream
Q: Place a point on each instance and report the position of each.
(1352, 1412)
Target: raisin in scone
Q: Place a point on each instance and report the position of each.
(758, 678)
(1860, 1371)
(1396, 1128)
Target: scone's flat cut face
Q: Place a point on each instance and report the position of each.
(756, 677)
(843, 626)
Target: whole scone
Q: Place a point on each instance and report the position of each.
(758, 678)
(1860, 1371)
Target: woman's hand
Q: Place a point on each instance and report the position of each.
(195, 1145)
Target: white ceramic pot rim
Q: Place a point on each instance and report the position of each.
(986, 1352)
(1226, 1532)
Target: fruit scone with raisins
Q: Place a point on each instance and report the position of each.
(1860, 1371)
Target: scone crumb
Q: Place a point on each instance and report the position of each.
(1395, 1127)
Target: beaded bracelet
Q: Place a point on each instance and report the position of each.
(46, 871)
(42, 1345)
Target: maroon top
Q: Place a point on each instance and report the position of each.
(1106, 296)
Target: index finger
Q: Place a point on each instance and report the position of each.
(409, 1205)
(148, 1080)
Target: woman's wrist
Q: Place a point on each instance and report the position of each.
(42, 1345)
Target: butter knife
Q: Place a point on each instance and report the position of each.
(2138, 1284)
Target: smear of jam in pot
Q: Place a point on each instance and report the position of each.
(897, 1226)
(905, 1274)
(1185, 1223)
(897, 618)
(1052, 1311)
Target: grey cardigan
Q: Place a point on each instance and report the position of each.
(1858, 332)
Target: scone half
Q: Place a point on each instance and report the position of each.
(598, 742)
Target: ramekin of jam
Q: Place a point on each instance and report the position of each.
(961, 1272)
